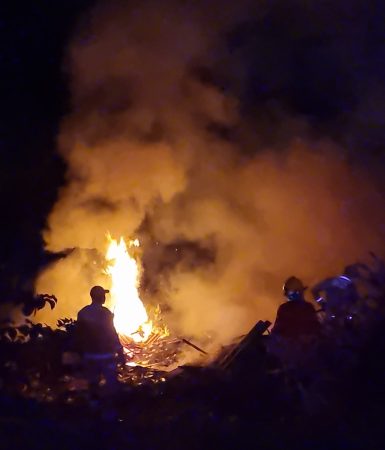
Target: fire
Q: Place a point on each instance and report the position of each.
(130, 316)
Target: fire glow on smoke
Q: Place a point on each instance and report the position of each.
(130, 316)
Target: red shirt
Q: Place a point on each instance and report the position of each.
(296, 318)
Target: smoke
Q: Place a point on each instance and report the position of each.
(158, 144)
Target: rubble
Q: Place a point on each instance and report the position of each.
(248, 344)
(244, 394)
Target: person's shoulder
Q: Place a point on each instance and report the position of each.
(296, 305)
(106, 311)
(285, 306)
(307, 305)
(84, 309)
(84, 313)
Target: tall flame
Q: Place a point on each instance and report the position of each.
(130, 315)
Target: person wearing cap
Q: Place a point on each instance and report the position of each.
(98, 341)
(296, 317)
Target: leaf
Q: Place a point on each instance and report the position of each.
(51, 302)
(12, 333)
(40, 303)
(28, 309)
(24, 330)
(3, 333)
(45, 331)
(34, 333)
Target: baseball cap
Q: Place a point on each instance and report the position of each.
(97, 291)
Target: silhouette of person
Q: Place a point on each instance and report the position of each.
(98, 341)
(296, 317)
(337, 295)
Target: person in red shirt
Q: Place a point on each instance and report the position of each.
(296, 317)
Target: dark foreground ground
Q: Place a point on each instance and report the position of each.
(326, 393)
(334, 400)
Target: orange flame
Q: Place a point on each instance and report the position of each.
(130, 316)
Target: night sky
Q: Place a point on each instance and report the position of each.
(34, 98)
(318, 61)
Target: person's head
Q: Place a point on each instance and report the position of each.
(293, 289)
(98, 294)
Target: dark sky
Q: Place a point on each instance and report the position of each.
(323, 62)
(33, 98)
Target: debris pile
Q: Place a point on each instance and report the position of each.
(317, 398)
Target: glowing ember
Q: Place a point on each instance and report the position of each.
(130, 316)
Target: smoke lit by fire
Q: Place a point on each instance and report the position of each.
(158, 150)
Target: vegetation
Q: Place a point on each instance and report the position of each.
(331, 397)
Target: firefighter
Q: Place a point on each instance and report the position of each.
(295, 330)
(338, 296)
(296, 317)
(98, 341)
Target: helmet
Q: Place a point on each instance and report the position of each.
(293, 288)
(342, 282)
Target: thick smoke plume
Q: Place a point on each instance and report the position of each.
(158, 146)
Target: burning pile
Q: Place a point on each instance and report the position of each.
(145, 340)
